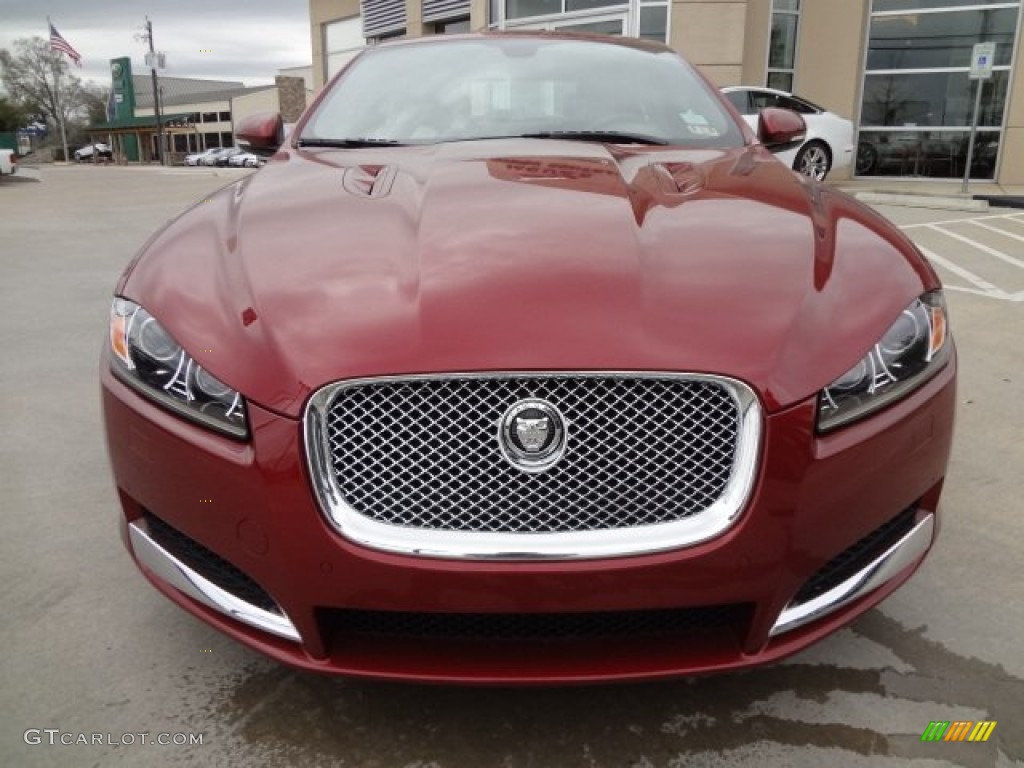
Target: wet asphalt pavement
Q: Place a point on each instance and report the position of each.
(91, 648)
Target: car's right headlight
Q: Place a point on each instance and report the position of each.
(146, 357)
(911, 351)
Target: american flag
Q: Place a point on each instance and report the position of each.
(58, 43)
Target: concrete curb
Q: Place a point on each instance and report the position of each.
(937, 202)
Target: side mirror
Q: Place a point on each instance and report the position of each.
(262, 132)
(780, 129)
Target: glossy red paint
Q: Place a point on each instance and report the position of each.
(527, 255)
(780, 127)
(466, 266)
(262, 130)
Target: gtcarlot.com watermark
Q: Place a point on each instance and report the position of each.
(55, 737)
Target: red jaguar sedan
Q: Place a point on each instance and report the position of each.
(523, 360)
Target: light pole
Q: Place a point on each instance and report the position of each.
(153, 61)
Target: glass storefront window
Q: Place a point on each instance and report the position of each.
(932, 99)
(917, 5)
(937, 154)
(453, 27)
(917, 98)
(782, 44)
(522, 9)
(654, 22)
(605, 27)
(586, 5)
(647, 19)
(782, 51)
(932, 40)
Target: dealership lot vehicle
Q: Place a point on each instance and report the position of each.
(944, 646)
(196, 158)
(246, 160)
(8, 162)
(829, 141)
(537, 438)
(92, 151)
(219, 157)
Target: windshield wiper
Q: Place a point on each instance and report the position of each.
(612, 137)
(348, 143)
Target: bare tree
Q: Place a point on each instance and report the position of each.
(94, 101)
(31, 74)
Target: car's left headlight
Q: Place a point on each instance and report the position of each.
(914, 348)
(149, 359)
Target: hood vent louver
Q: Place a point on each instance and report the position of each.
(681, 178)
(369, 180)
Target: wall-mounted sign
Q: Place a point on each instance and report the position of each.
(982, 57)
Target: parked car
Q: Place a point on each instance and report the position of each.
(223, 158)
(196, 158)
(829, 141)
(246, 160)
(8, 162)
(527, 361)
(935, 154)
(92, 151)
(219, 157)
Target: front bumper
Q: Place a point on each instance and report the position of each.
(324, 603)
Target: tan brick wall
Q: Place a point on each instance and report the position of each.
(710, 35)
(320, 12)
(292, 96)
(414, 26)
(253, 103)
(829, 53)
(478, 10)
(1011, 166)
(755, 42)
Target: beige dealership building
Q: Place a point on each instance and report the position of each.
(897, 68)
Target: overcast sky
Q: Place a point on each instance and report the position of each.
(246, 40)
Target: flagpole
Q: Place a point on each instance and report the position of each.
(54, 61)
(60, 109)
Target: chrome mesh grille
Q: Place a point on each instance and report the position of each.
(424, 454)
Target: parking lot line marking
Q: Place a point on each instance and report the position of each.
(985, 287)
(980, 246)
(998, 231)
(958, 221)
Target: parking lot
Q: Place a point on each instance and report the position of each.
(979, 254)
(92, 648)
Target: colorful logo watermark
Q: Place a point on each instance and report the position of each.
(958, 730)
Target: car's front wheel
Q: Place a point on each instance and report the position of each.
(813, 161)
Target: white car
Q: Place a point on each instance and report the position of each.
(246, 160)
(829, 142)
(196, 157)
(91, 151)
(8, 162)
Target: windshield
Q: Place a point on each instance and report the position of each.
(493, 87)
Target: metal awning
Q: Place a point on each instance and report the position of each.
(143, 123)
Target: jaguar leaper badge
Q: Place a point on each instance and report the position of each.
(531, 435)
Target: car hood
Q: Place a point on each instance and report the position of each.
(507, 255)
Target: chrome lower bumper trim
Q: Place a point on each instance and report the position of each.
(171, 570)
(886, 566)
